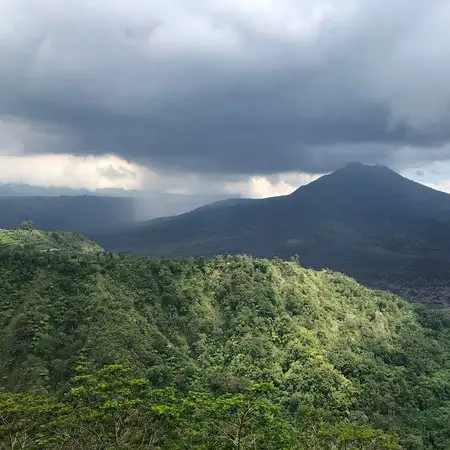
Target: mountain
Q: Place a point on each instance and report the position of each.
(89, 211)
(366, 221)
(28, 190)
(345, 360)
(82, 214)
(154, 205)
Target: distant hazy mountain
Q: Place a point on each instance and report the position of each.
(29, 190)
(366, 221)
(83, 214)
(165, 203)
(56, 208)
(26, 190)
(153, 205)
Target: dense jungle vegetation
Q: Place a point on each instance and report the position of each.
(105, 351)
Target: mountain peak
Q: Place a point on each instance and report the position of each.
(354, 175)
(359, 167)
(354, 165)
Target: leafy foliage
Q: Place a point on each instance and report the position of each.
(111, 409)
(27, 236)
(214, 349)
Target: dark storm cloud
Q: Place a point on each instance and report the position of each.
(231, 88)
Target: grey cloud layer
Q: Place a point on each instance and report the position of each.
(230, 86)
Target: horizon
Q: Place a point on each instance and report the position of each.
(269, 189)
(253, 99)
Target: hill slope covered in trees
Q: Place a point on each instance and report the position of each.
(366, 221)
(27, 238)
(339, 354)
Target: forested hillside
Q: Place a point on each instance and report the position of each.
(27, 238)
(337, 361)
(365, 221)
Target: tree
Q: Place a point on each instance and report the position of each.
(29, 421)
(113, 409)
(347, 435)
(236, 421)
(27, 225)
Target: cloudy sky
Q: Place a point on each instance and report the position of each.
(252, 97)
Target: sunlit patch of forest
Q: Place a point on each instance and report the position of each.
(105, 351)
